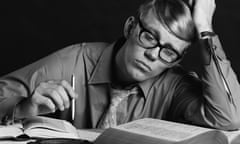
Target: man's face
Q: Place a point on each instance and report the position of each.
(139, 63)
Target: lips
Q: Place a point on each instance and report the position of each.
(143, 66)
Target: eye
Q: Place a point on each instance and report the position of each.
(168, 55)
(169, 52)
(148, 39)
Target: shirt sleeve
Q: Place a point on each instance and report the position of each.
(205, 101)
(20, 84)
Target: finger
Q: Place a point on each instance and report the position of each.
(56, 98)
(61, 91)
(41, 100)
(65, 98)
(69, 89)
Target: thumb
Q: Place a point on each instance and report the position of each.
(191, 2)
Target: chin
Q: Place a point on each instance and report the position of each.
(138, 76)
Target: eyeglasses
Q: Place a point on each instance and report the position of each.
(167, 54)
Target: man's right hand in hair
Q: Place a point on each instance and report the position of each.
(203, 11)
(46, 98)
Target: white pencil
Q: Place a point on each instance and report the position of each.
(73, 100)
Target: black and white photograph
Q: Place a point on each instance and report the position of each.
(120, 72)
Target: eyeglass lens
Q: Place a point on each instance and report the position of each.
(149, 41)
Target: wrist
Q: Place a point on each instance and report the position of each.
(201, 29)
(17, 111)
(22, 109)
(206, 34)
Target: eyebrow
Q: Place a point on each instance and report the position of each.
(150, 29)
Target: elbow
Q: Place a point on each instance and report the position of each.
(231, 124)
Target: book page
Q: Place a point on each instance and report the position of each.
(232, 135)
(163, 129)
(88, 134)
(46, 127)
(11, 130)
(155, 131)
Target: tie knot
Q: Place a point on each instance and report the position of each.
(119, 94)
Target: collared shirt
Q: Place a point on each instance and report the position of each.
(174, 95)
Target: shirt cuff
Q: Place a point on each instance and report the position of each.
(206, 51)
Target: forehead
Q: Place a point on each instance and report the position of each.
(154, 25)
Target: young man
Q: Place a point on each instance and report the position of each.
(141, 70)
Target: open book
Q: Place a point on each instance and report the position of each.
(40, 127)
(155, 131)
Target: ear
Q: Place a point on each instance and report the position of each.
(128, 27)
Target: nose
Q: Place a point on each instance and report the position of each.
(152, 54)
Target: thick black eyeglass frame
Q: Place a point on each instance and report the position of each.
(158, 44)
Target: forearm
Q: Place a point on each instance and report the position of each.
(221, 87)
(20, 84)
(25, 89)
(216, 109)
(12, 91)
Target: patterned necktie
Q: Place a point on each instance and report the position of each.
(110, 117)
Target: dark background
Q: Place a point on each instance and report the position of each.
(33, 29)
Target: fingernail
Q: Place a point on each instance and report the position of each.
(53, 110)
(61, 108)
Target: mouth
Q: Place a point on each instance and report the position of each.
(144, 67)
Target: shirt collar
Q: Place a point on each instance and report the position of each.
(146, 86)
(104, 68)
